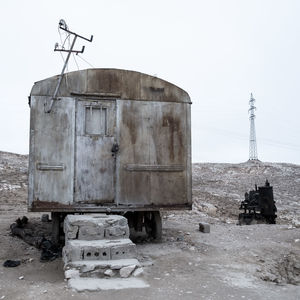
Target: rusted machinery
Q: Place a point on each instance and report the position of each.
(112, 141)
(259, 206)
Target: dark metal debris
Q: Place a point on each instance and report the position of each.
(259, 205)
(11, 263)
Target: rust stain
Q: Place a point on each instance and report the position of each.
(173, 125)
(37, 204)
(129, 116)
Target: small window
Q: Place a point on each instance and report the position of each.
(96, 120)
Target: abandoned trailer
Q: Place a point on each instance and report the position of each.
(113, 141)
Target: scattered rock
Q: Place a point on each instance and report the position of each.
(110, 273)
(71, 273)
(126, 271)
(204, 227)
(21, 277)
(180, 238)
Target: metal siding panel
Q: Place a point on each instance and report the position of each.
(52, 143)
(168, 141)
(151, 134)
(133, 118)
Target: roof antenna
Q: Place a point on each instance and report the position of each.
(63, 26)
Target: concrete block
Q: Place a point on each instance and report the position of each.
(76, 250)
(95, 227)
(123, 251)
(204, 227)
(70, 231)
(89, 233)
(117, 232)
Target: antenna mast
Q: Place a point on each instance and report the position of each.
(252, 141)
(63, 26)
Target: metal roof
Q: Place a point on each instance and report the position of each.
(112, 83)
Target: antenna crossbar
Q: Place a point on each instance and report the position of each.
(63, 26)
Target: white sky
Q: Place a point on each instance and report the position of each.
(218, 51)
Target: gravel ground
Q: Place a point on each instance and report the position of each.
(230, 262)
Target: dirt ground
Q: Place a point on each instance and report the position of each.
(230, 262)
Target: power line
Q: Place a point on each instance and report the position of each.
(85, 61)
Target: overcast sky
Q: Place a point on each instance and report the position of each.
(218, 51)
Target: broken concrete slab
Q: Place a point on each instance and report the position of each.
(204, 227)
(86, 265)
(93, 284)
(101, 269)
(138, 272)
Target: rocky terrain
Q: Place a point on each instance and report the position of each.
(231, 262)
(218, 188)
(13, 181)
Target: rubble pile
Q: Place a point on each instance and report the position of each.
(286, 269)
(98, 253)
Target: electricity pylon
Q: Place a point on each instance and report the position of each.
(252, 141)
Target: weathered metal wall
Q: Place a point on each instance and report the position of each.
(72, 167)
(51, 165)
(153, 153)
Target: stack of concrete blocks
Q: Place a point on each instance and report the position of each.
(98, 248)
